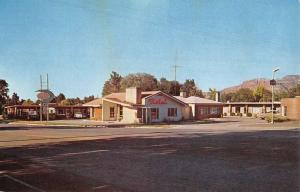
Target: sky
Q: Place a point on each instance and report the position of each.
(218, 43)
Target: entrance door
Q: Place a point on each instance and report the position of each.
(145, 115)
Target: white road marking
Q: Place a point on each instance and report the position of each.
(23, 183)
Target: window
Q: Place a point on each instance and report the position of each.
(121, 111)
(214, 110)
(60, 112)
(203, 110)
(172, 112)
(111, 112)
(154, 113)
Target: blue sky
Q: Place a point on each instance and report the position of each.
(218, 43)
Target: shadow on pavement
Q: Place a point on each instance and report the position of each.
(248, 161)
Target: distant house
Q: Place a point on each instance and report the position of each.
(290, 108)
(202, 108)
(249, 108)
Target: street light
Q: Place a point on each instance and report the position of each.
(273, 83)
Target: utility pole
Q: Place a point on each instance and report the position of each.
(273, 83)
(175, 76)
(41, 103)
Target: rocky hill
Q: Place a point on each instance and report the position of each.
(283, 84)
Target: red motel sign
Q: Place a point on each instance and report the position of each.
(159, 101)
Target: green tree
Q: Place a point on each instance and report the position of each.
(67, 102)
(175, 88)
(212, 93)
(113, 84)
(243, 95)
(164, 85)
(88, 99)
(60, 97)
(191, 89)
(14, 100)
(3, 94)
(27, 102)
(261, 94)
(144, 81)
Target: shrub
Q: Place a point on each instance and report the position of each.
(225, 114)
(277, 118)
(249, 114)
(239, 114)
(232, 114)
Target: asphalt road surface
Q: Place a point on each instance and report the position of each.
(234, 155)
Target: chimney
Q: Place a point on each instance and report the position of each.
(183, 94)
(133, 95)
(218, 96)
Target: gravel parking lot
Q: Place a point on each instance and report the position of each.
(235, 154)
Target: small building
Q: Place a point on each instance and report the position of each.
(32, 112)
(135, 106)
(249, 108)
(95, 109)
(202, 108)
(290, 108)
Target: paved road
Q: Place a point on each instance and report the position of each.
(236, 155)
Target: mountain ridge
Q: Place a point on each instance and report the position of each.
(283, 84)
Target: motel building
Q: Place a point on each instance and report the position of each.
(249, 108)
(135, 106)
(202, 108)
(290, 108)
(32, 112)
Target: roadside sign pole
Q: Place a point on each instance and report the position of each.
(47, 107)
(41, 111)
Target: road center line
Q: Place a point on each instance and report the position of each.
(23, 183)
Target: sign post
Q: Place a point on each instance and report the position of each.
(45, 96)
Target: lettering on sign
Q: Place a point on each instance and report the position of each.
(159, 101)
(43, 95)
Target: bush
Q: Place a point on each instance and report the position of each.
(232, 114)
(225, 114)
(249, 114)
(239, 114)
(277, 118)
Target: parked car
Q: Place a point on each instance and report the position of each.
(79, 115)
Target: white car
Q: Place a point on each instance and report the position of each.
(78, 115)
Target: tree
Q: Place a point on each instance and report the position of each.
(27, 102)
(144, 81)
(261, 94)
(14, 100)
(164, 85)
(3, 94)
(66, 102)
(112, 85)
(60, 97)
(191, 89)
(175, 88)
(225, 97)
(88, 99)
(243, 95)
(212, 93)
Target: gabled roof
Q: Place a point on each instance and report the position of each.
(121, 97)
(94, 103)
(167, 95)
(197, 100)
